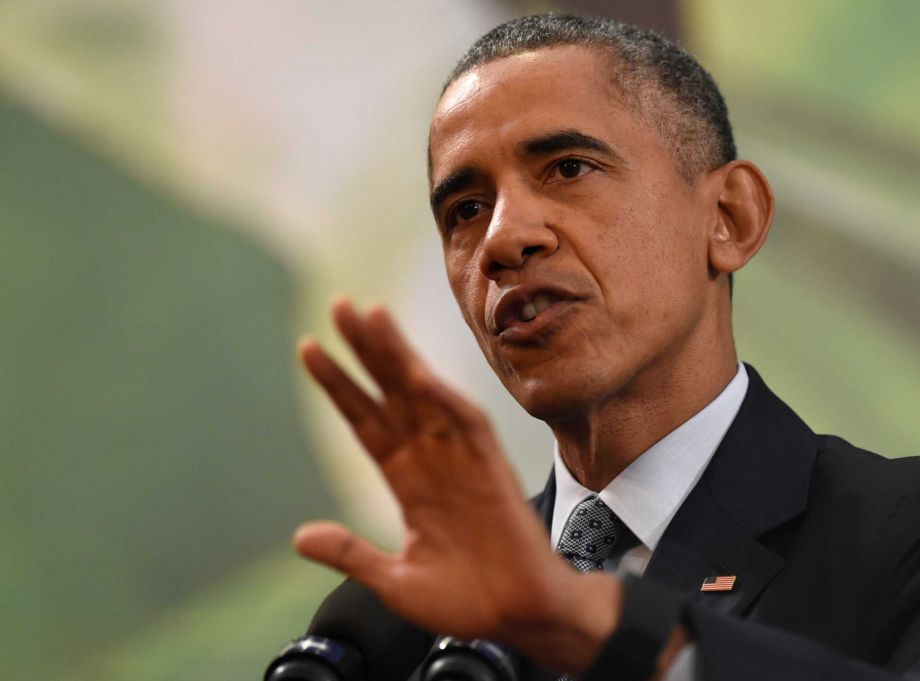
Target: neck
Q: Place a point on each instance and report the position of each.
(599, 444)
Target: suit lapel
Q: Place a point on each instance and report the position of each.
(702, 541)
(757, 480)
(543, 503)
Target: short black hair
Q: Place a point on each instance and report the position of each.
(657, 79)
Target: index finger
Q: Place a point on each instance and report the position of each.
(383, 352)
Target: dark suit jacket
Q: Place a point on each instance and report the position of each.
(824, 539)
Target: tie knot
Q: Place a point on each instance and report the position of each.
(591, 535)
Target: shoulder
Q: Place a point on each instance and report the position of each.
(854, 481)
(853, 468)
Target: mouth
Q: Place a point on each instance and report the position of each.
(527, 311)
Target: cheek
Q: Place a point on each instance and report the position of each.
(469, 289)
(676, 272)
(625, 253)
(667, 230)
(647, 259)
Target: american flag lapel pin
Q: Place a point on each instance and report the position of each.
(719, 583)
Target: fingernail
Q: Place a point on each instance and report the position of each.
(339, 299)
(300, 535)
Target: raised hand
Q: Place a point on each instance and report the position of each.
(476, 561)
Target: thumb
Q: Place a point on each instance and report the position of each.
(334, 545)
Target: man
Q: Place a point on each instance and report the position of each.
(592, 211)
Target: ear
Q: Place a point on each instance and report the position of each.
(745, 211)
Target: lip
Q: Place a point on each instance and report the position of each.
(506, 321)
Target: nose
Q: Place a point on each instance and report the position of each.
(518, 231)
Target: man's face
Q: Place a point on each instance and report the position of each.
(577, 253)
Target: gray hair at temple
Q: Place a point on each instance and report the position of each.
(656, 79)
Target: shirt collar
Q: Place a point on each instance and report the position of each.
(648, 493)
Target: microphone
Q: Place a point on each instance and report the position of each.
(455, 659)
(353, 637)
(315, 658)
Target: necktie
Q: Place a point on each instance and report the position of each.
(592, 534)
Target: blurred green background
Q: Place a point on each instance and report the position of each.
(183, 184)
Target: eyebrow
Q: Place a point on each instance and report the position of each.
(566, 140)
(455, 182)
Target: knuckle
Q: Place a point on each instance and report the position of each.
(420, 381)
(437, 428)
(349, 550)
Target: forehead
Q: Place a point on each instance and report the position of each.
(526, 95)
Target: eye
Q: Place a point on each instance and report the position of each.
(570, 168)
(464, 211)
(468, 210)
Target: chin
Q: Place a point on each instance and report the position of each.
(567, 392)
(553, 398)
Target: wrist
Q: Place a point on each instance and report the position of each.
(575, 620)
(593, 614)
(647, 637)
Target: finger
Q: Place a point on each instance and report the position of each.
(440, 411)
(350, 324)
(465, 417)
(386, 358)
(394, 363)
(362, 412)
(377, 344)
(418, 399)
(334, 545)
(418, 379)
(432, 389)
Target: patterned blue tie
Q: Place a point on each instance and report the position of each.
(592, 534)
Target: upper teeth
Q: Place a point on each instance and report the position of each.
(534, 307)
(528, 312)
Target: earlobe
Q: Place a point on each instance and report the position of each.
(745, 211)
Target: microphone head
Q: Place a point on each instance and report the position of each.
(391, 647)
(315, 658)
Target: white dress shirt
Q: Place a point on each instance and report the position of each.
(648, 493)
